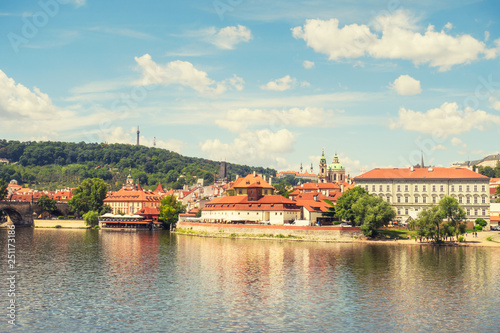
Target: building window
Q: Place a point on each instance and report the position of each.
(460, 199)
(424, 199)
(406, 199)
(441, 188)
(416, 188)
(406, 188)
(433, 188)
(484, 212)
(380, 188)
(484, 200)
(475, 200)
(388, 198)
(468, 199)
(406, 211)
(468, 211)
(433, 199)
(416, 199)
(483, 188)
(373, 188)
(399, 188)
(366, 187)
(424, 188)
(467, 188)
(460, 188)
(399, 199)
(475, 189)
(452, 188)
(475, 212)
(399, 211)
(388, 188)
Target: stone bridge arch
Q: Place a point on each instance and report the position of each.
(23, 213)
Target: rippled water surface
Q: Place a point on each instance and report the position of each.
(102, 281)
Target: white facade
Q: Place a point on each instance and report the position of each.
(413, 195)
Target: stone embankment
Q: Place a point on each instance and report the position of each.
(325, 233)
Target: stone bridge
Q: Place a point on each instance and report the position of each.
(22, 214)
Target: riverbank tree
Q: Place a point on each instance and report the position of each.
(3, 189)
(47, 204)
(89, 196)
(345, 203)
(170, 208)
(371, 213)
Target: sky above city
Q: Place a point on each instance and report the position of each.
(263, 83)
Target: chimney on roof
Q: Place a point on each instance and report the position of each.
(411, 168)
(430, 170)
(254, 173)
(271, 180)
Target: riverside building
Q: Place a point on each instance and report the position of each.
(410, 190)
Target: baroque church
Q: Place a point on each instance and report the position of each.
(333, 173)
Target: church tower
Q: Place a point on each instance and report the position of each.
(322, 174)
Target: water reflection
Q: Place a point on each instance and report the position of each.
(88, 280)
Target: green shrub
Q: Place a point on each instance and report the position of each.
(477, 227)
(460, 239)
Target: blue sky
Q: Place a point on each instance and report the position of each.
(258, 83)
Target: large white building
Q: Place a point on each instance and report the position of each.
(410, 190)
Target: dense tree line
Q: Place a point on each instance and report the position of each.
(489, 171)
(52, 165)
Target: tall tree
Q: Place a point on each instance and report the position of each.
(454, 213)
(3, 189)
(497, 193)
(371, 213)
(346, 201)
(89, 196)
(47, 204)
(91, 218)
(170, 209)
(429, 222)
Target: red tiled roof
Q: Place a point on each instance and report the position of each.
(158, 189)
(421, 173)
(251, 181)
(241, 202)
(132, 195)
(494, 218)
(318, 186)
(148, 211)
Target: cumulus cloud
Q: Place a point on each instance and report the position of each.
(308, 64)
(238, 120)
(392, 37)
(458, 143)
(261, 147)
(444, 121)
(282, 84)
(495, 103)
(182, 73)
(32, 111)
(406, 85)
(227, 38)
(438, 147)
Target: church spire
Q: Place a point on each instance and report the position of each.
(422, 159)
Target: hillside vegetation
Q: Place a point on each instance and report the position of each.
(52, 165)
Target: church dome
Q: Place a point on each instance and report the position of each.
(336, 164)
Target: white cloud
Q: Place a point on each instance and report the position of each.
(495, 103)
(282, 84)
(238, 120)
(398, 38)
(227, 38)
(458, 143)
(32, 111)
(406, 85)
(261, 147)
(237, 82)
(308, 64)
(177, 72)
(444, 121)
(438, 147)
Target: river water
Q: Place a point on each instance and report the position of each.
(108, 281)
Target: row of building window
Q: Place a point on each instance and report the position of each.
(434, 199)
(424, 188)
(475, 211)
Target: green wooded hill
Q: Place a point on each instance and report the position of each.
(53, 165)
